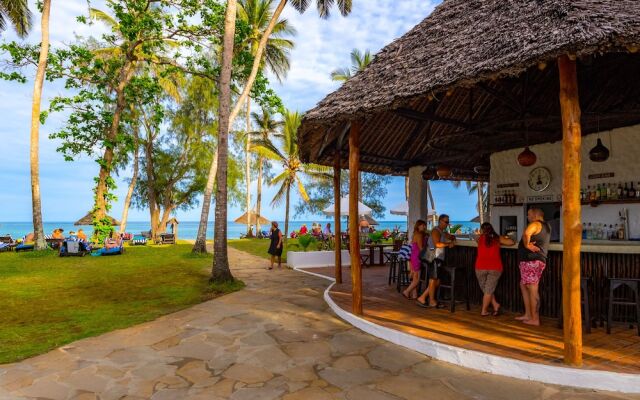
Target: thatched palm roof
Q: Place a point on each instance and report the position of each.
(88, 220)
(475, 69)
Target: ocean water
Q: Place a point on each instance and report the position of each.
(189, 229)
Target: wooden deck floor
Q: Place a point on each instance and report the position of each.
(502, 335)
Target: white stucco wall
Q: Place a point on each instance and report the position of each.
(624, 162)
(417, 197)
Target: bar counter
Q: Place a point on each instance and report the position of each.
(599, 260)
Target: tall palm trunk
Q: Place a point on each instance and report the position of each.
(200, 246)
(259, 193)
(36, 201)
(286, 216)
(257, 60)
(151, 192)
(248, 165)
(220, 271)
(132, 185)
(480, 202)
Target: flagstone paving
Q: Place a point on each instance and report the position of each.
(276, 339)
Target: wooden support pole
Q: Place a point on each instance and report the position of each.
(354, 235)
(572, 237)
(336, 216)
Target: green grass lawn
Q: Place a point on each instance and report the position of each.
(259, 247)
(48, 301)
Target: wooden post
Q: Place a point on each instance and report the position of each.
(572, 237)
(354, 235)
(336, 218)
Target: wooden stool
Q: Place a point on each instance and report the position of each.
(634, 286)
(585, 284)
(452, 271)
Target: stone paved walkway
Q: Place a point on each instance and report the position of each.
(275, 339)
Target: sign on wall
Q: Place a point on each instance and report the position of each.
(543, 198)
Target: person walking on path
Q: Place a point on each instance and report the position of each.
(489, 266)
(532, 257)
(418, 244)
(275, 247)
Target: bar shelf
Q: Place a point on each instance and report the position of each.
(596, 203)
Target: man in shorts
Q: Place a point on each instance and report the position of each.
(532, 257)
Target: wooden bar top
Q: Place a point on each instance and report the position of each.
(588, 246)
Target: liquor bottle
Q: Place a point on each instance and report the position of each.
(603, 194)
(632, 190)
(584, 230)
(638, 191)
(625, 191)
(598, 192)
(608, 191)
(589, 231)
(619, 190)
(611, 232)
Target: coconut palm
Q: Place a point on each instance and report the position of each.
(17, 13)
(359, 62)
(256, 14)
(36, 201)
(479, 189)
(294, 171)
(268, 126)
(220, 271)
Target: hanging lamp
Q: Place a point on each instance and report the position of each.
(599, 153)
(527, 158)
(444, 171)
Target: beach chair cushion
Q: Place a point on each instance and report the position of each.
(24, 247)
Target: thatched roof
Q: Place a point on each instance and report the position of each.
(471, 76)
(88, 220)
(252, 218)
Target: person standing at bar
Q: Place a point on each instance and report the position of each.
(532, 256)
(439, 240)
(418, 244)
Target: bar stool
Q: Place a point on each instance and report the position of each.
(634, 286)
(452, 271)
(585, 285)
(403, 277)
(393, 267)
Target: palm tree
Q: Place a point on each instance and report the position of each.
(478, 188)
(359, 62)
(36, 201)
(17, 13)
(267, 127)
(257, 14)
(220, 271)
(134, 179)
(293, 169)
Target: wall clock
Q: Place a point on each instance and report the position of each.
(539, 179)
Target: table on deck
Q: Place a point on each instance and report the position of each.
(372, 247)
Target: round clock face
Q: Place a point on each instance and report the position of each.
(539, 179)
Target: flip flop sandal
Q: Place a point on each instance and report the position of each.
(423, 305)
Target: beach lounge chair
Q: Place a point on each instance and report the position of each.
(54, 243)
(24, 247)
(73, 247)
(7, 243)
(108, 250)
(139, 240)
(167, 238)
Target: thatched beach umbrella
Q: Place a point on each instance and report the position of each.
(480, 77)
(252, 218)
(88, 220)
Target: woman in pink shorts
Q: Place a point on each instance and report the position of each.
(418, 243)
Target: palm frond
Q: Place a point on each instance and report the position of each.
(18, 14)
(341, 74)
(302, 190)
(267, 149)
(99, 15)
(279, 197)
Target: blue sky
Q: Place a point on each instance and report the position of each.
(321, 46)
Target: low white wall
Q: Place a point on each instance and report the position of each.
(315, 259)
(318, 259)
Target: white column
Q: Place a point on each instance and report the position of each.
(417, 197)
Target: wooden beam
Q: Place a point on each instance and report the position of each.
(325, 143)
(338, 141)
(505, 99)
(336, 217)
(420, 116)
(572, 235)
(354, 234)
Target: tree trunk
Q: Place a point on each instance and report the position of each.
(100, 207)
(286, 217)
(132, 185)
(480, 202)
(151, 191)
(336, 217)
(571, 208)
(36, 201)
(200, 246)
(248, 165)
(257, 61)
(259, 192)
(220, 271)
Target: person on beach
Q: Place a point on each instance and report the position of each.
(303, 229)
(418, 244)
(57, 234)
(439, 240)
(81, 235)
(327, 231)
(532, 257)
(275, 247)
(489, 266)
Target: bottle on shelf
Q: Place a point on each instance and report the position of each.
(619, 190)
(632, 191)
(625, 191)
(608, 191)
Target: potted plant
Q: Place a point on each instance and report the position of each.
(376, 237)
(305, 241)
